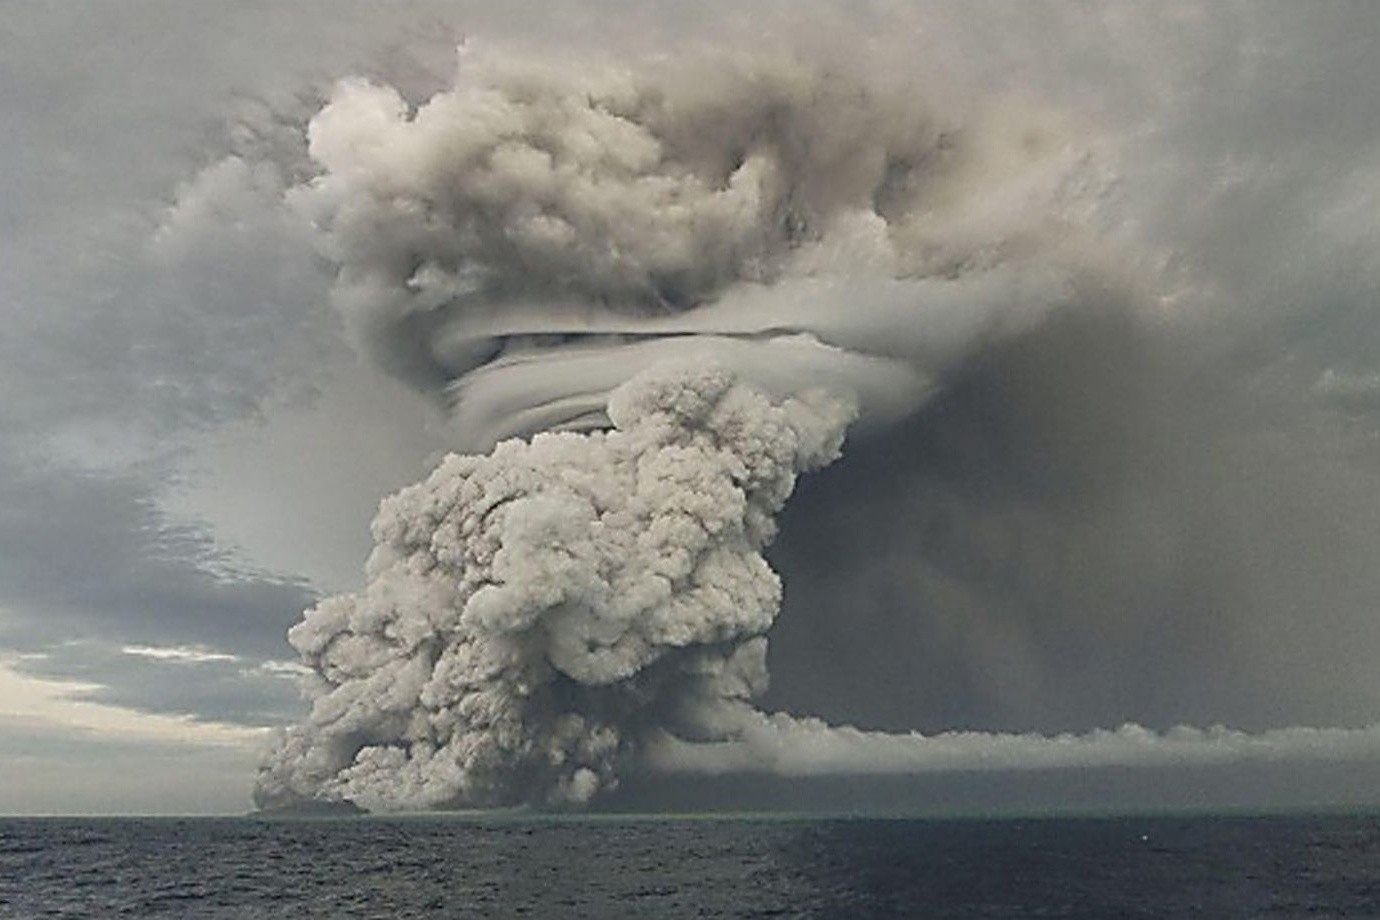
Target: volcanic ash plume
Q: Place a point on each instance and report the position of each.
(532, 612)
(681, 284)
(656, 298)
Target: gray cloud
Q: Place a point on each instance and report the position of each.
(1164, 517)
(237, 690)
(90, 566)
(144, 299)
(87, 556)
(62, 771)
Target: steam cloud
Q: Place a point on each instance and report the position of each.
(656, 298)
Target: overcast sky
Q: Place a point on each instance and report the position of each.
(1171, 516)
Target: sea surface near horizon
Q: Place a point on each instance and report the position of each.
(1316, 866)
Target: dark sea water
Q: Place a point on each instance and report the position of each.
(608, 867)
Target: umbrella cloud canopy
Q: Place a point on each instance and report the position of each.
(533, 236)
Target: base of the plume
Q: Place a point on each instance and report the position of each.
(310, 808)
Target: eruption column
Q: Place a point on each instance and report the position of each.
(530, 614)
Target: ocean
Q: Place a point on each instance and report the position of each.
(1316, 866)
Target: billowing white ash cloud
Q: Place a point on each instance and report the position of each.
(529, 613)
(656, 297)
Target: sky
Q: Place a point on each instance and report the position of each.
(1165, 512)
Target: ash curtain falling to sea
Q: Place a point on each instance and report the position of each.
(651, 299)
